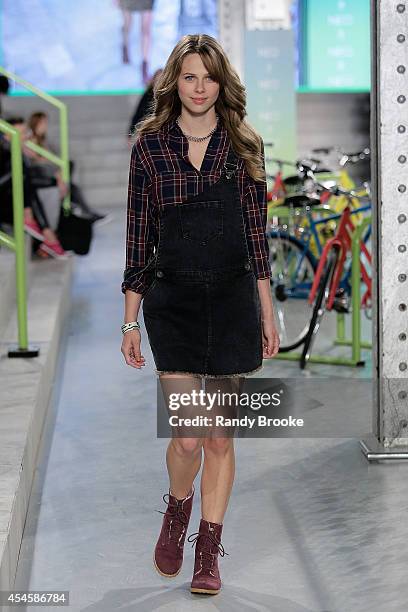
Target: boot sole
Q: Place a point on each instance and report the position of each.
(208, 591)
(47, 249)
(162, 573)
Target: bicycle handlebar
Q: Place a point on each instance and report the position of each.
(337, 190)
(281, 162)
(344, 157)
(355, 157)
(301, 165)
(350, 156)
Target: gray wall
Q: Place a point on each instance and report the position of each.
(323, 119)
(333, 119)
(98, 127)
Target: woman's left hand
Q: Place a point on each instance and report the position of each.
(270, 338)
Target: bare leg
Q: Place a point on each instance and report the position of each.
(146, 23)
(219, 459)
(28, 213)
(184, 453)
(127, 24)
(146, 26)
(49, 234)
(40, 217)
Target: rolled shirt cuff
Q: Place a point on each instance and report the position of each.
(137, 287)
(134, 280)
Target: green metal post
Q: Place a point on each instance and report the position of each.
(17, 243)
(18, 222)
(64, 143)
(54, 159)
(340, 327)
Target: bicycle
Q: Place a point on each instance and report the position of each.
(294, 263)
(323, 172)
(332, 272)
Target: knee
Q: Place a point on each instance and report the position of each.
(217, 446)
(187, 446)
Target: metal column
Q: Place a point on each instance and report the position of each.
(231, 31)
(389, 139)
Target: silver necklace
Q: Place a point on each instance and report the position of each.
(197, 138)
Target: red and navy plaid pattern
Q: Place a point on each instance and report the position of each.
(161, 174)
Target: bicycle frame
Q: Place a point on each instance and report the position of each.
(302, 290)
(278, 190)
(342, 242)
(314, 224)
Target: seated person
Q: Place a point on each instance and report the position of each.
(38, 125)
(4, 89)
(35, 219)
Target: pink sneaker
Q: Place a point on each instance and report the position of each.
(53, 248)
(31, 227)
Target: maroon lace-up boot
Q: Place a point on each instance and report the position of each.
(168, 554)
(206, 577)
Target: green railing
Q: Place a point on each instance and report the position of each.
(16, 242)
(62, 161)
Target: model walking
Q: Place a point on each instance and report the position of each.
(145, 8)
(196, 253)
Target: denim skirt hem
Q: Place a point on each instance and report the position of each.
(198, 374)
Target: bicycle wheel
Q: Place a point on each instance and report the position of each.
(293, 268)
(319, 306)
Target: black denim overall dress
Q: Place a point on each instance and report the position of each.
(202, 310)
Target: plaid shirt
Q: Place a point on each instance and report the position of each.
(161, 174)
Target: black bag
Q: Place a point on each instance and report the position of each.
(75, 233)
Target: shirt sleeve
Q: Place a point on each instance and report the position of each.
(255, 205)
(139, 234)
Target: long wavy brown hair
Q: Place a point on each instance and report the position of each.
(33, 122)
(230, 104)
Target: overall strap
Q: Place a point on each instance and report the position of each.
(231, 163)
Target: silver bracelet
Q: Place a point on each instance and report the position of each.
(129, 326)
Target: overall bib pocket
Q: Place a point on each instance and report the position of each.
(201, 221)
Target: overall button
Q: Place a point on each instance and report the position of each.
(247, 266)
(159, 273)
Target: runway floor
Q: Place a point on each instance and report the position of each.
(311, 525)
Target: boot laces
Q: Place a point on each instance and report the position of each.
(177, 518)
(207, 557)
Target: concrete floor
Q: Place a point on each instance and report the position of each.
(311, 526)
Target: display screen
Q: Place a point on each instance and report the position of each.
(96, 46)
(334, 38)
(271, 96)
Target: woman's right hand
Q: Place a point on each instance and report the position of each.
(131, 349)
